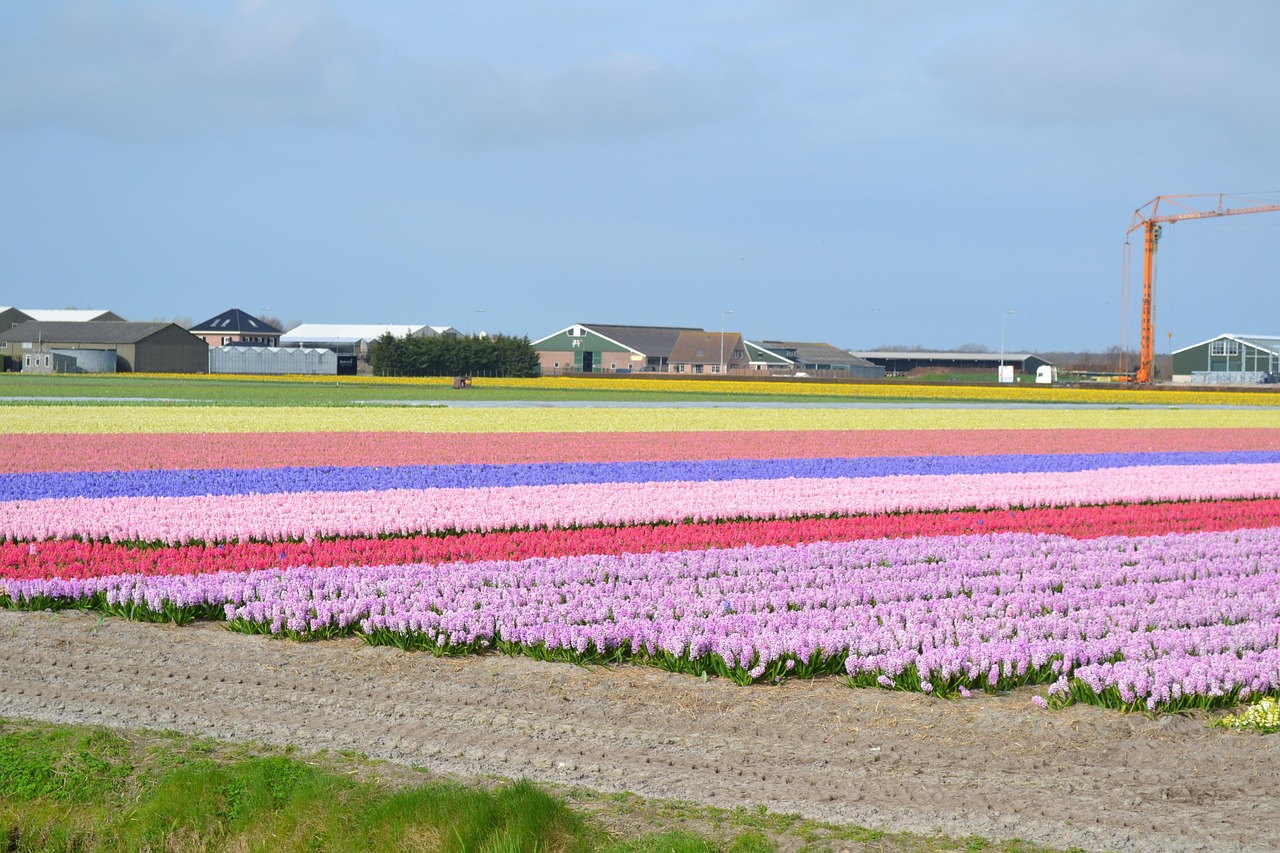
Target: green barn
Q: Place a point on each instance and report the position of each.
(1228, 358)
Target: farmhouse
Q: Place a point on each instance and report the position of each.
(234, 326)
(607, 348)
(105, 346)
(1228, 359)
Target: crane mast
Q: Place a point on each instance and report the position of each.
(1149, 219)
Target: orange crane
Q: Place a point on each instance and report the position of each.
(1149, 218)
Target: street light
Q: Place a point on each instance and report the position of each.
(474, 312)
(1003, 317)
(722, 316)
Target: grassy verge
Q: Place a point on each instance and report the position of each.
(93, 789)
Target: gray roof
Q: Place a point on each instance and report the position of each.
(1266, 343)
(233, 321)
(88, 332)
(908, 355)
(654, 341)
(817, 353)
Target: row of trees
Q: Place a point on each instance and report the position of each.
(498, 355)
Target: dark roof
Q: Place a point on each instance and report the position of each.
(88, 332)
(234, 322)
(816, 353)
(699, 347)
(656, 341)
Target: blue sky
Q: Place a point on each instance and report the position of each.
(854, 172)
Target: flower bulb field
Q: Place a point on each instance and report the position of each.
(1121, 560)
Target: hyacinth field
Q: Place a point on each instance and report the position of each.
(1124, 557)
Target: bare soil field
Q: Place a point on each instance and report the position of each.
(994, 766)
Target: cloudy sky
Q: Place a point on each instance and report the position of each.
(863, 173)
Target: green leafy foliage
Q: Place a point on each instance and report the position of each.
(499, 355)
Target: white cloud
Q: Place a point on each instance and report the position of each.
(163, 68)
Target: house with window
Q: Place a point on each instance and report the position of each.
(699, 352)
(1228, 359)
(234, 326)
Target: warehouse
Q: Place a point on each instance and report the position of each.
(902, 362)
(105, 346)
(1228, 359)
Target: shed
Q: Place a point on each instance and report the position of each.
(1228, 359)
(139, 347)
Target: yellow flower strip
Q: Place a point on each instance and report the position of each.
(214, 419)
(1115, 394)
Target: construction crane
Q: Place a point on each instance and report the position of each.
(1150, 219)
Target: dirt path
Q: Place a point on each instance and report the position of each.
(992, 766)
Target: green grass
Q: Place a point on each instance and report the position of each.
(92, 789)
(349, 392)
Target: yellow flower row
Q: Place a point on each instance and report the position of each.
(211, 419)
(1106, 394)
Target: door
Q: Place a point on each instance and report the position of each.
(588, 362)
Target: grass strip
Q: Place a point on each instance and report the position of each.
(66, 787)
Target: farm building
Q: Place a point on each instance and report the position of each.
(273, 360)
(601, 348)
(1228, 358)
(234, 326)
(349, 338)
(105, 346)
(708, 352)
(72, 315)
(819, 359)
(898, 362)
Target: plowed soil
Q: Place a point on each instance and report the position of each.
(994, 766)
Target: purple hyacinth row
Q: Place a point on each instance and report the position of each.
(329, 478)
(312, 514)
(1153, 618)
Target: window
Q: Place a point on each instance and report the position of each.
(1224, 347)
(613, 366)
(715, 368)
(697, 368)
(555, 364)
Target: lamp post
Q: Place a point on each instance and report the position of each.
(474, 312)
(1003, 317)
(723, 314)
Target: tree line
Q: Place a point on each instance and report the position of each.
(496, 355)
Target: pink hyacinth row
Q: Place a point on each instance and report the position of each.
(73, 558)
(402, 512)
(270, 450)
(1195, 614)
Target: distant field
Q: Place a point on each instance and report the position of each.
(354, 391)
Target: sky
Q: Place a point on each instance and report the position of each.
(904, 172)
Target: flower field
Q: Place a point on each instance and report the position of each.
(1129, 558)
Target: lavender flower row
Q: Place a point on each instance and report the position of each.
(329, 478)
(1155, 619)
(402, 512)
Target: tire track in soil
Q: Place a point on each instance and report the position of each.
(992, 765)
